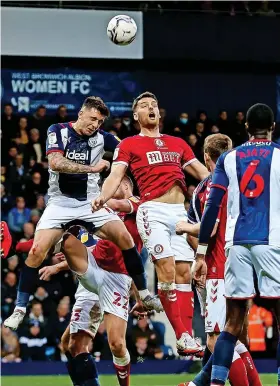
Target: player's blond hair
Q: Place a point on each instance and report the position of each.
(216, 144)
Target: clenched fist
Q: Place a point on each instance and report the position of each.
(97, 203)
(100, 166)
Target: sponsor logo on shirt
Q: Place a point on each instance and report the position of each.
(77, 156)
(155, 157)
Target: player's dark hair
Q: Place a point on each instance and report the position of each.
(97, 103)
(260, 119)
(146, 94)
(216, 144)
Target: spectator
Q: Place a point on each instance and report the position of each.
(239, 133)
(13, 152)
(35, 216)
(16, 175)
(61, 115)
(18, 216)
(28, 231)
(223, 123)
(144, 328)
(10, 265)
(116, 126)
(34, 149)
(9, 122)
(164, 125)
(8, 293)
(183, 127)
(40, 204)
(36, 313)
(9, 346)
(199, 132)
(40, 122)
(33, 188)
(58, 325)
(22, 132)
(214, 129)
(33, 342)
(6, 203)
(41, 296)
(3, 174)
(203, 118)
(194, 144)
(127, 129)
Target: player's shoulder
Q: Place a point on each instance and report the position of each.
(173, 139)
(107, 135)
(127, 142)
(203, 185)
(57, 127)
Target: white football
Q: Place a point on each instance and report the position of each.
(122, 30)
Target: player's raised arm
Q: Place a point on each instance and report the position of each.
(110, 186)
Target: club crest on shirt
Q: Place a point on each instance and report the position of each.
(92, 141)
(158, 249)
(159, 142)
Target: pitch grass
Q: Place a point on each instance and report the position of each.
(109, 380)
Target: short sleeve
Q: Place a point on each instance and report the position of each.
(122, 154)
(134, 203)
(188, 155)
(110, 141)
(54, 140)
(220, 178)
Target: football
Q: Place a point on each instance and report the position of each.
(122, 30)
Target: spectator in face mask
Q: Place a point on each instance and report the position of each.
(127, 128)
(184, 124)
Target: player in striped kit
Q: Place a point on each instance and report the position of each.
(214, 305)
(75, 151)
(251, 176)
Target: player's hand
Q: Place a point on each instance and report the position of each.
(199, 270)
(47, 272)
(60, 256)
(181, 227)
(100, 166)
(139, 310)
(97, 203)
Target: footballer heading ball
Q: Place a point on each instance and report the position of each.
(122, 30)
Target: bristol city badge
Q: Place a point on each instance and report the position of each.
(159, 142)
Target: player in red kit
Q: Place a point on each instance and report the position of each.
(101, 270)
(157, 163)
(242, 370)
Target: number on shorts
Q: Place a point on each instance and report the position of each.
(76, 315)
(121, 301)
(247, 177)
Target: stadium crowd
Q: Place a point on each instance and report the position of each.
(24, 183)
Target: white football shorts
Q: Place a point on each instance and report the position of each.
(61, 210)
(156, 222)
(86, 313)
(240, 263)
(111, 288)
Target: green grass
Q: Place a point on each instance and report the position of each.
(108, 380)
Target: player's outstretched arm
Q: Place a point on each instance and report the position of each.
(119, 205)
(197, 170)
(110, 186)
(59, 163)
(46, 272)
(185, 227)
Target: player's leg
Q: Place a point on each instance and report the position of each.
(266, 260)
(75, 252)
(184, 257)
(152, 226)
(70, 368)
(43, 241)
(114, 298)
(241, 348)
(85, 320)
(110, 227)
(116, 330)
(184, 292)
(239, 286)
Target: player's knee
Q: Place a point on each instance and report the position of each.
(36, 255)
(117, 346)
(67, 242)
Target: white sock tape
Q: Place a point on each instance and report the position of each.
(202, 249)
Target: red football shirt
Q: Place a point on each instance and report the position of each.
(215, 257)
(107, 255)
(156, 163)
